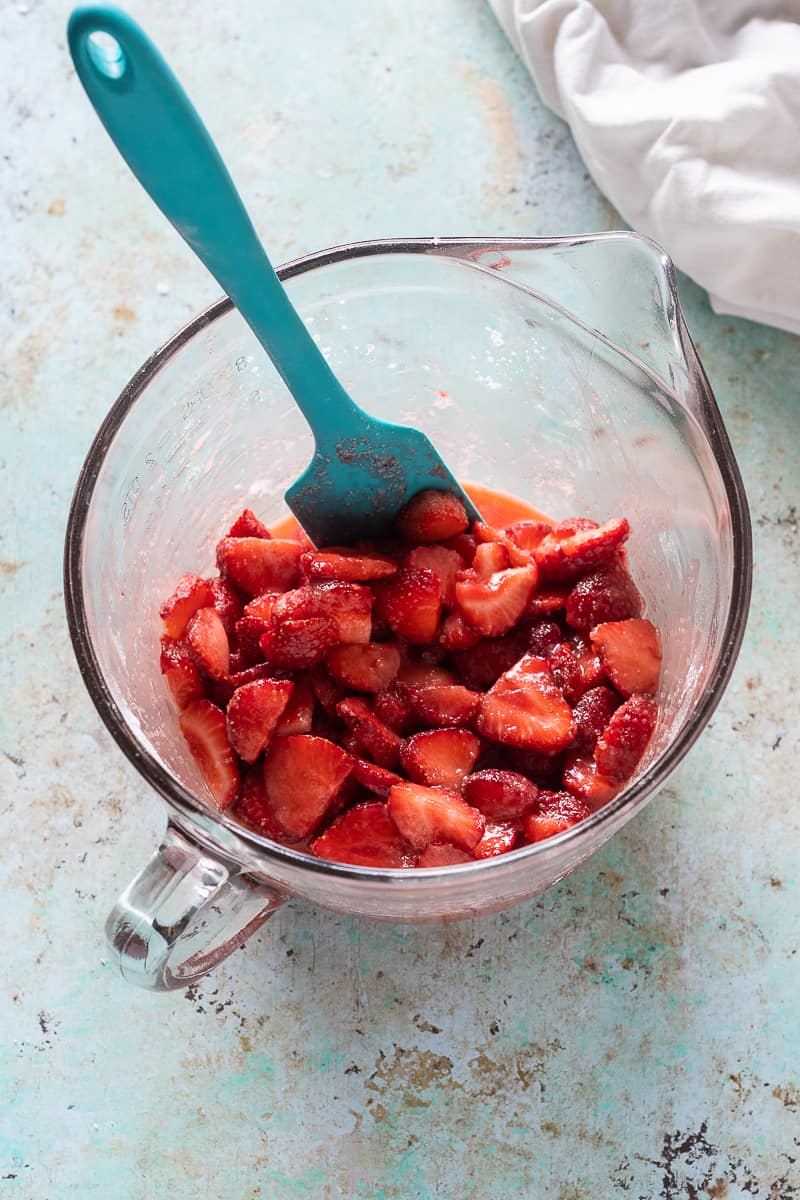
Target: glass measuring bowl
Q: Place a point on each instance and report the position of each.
(559, 370)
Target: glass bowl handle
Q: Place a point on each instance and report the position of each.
(183, 913)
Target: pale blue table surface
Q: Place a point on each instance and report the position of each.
(633, 1033)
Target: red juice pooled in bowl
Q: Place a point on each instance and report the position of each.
(448, 694)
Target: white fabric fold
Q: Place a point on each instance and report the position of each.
(687, 115)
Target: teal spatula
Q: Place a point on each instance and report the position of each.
(363, 469)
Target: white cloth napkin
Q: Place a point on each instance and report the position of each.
(687, 115)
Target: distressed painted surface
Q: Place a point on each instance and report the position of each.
(634, 1033)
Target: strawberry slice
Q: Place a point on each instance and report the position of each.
(392, 707)
(253, 807)
(368, 667)
(606, 594)
(364, 836)
(547, 600)
(410, 604)
(203, 726)
(554, 812)
(302, 775)
(431, 516)
(583, 779)
(262, 606)
(247, 524)
(514, 554)
(344, 565)
(221, 690)
(500, 795)
(592, 713)
(424, 675)
(494, 605)
(543, 638)
(575, 546)
(376, 778)
(464, 544)
(444, 704)
(327, 691)
(499, 837)
(208, 643)
(483, 664)
(227, 603)
(181, 673)
(253, 712)
(525, 708)
(249, 631)
(440, 757)
(257, 564)
(624, 740)
(371, 735)
(457, 633)
(443, 854)
(444, 563)
(425, 814)
(294, 644)
(489, 558)
(527, 534)
(348, 605)
(191, 594)
(630, 652)
(298, 715)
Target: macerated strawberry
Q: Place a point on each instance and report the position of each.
(554, 812)
(464, 544)
(410, 604)
(592, 713)
(624, 740)
(527, 534)
(431, 516)
(484, 663)
(181, 673)
(425, 814)
(258, 564)
(376, 778)
(221, 690)
(583, 779)
(489, 558)
(440, 757)
(591, 667)
(543, 638)
(298, 716)
(254, 808)
(261, 606)
(443, 704)
(208, 643)
(444, 563)
(393, 709)
(249, 631)
(500, 795)
(203, 726)
(422, 675)
(253, 712)
(494, 605)
(348, 605)
(191, 594)
(327, 691)
(630, 652)
(546, 601)
(457, 633)
(371, 735)
(344, 565)
(443, 854)
(566, 671)
(302, 775)
(294, 644)
(364, 836)
(247, 524)
(227, 603)
(525, 708)
(545, 770)
(605, 594)
(575, 546)
(499, 837)
(513, 555)
(367, 667)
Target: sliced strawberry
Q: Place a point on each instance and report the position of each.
(257, 564)
(227, 603)
(393, 709)
(592, 713)
(348, 605)
(440, 757)
(298, 715)
(591, 666)
(302, 775)
(364, 836)
(376, 778)
(566, 670)
(424, 815)
(605, 594)
(343, 564)
(547, 600)
(443, 704)
(499, 837)
(208, 643)
(327, 691)
(179, 669)
(249, 632)
(525, 708)
(494, 605)
(624, 739)
(543, 638)
(554, 812)
(292, 645)
(457, 633)
(444, 563)
(424, 675)
(191, 594)
(410, 604)
(443, 854)
(261, 606)
(253, 712)
(464, 544)
(247, 524)
(583, 779)
(254, 808)
(483, 664)
(203, 726)
(500, 795)
(370, 667)
(527, 534)
(578, 545)
(512, 555)
(489, 558)
(630, 652)
(371, 735)
(431, 516)
(221, 690)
